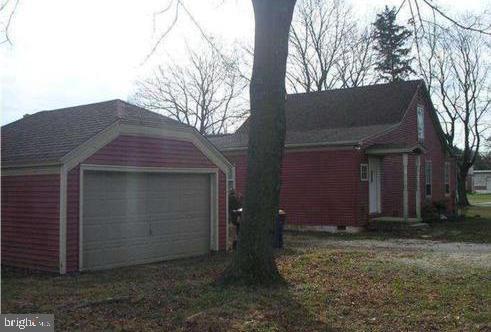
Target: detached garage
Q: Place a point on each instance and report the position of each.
(109, 184)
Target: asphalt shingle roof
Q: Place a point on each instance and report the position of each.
(47, 136)
(336, 116)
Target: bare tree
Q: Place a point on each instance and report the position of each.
(254, 261)
(355, 66)
(206, 92)
(7, 12)
(317, 44)
(453, 62)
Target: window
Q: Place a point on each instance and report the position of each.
(447, 178)
(231, 180)
(421, 123)
(428, 178)
(364, 172)
(231, 184)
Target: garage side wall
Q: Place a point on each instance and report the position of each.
(30, 221)
(138, 151)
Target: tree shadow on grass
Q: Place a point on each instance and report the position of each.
(252, 308)
(180, 295)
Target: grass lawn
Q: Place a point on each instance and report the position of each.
(479, 198)
(328, 287)
(381, 282)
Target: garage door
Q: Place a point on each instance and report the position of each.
(133, 218)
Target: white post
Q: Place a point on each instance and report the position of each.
(404, 194)
(418, 187)
(62, 225)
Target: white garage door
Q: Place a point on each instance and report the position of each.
(132, 218)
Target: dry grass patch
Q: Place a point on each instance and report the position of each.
(327, 288)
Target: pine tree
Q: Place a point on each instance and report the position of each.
(393, 58)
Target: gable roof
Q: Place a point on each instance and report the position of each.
(339, 116)
(47, 136)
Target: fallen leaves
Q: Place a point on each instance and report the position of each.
(328, 288)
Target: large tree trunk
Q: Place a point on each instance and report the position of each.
(461, 188)
(254, 262)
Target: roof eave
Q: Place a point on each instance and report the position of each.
(301, 145)
(384, 151)
(6, 165)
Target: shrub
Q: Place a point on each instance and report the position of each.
(429, 213)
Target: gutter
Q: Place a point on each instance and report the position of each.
(30, 165)
(302, 145)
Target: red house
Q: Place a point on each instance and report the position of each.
(108, 184)
(355, 155)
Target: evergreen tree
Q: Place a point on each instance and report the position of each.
(393, 58)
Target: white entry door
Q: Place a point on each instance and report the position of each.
(374, 176)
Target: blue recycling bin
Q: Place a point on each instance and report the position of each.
(279, 225)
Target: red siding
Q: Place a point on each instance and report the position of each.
(30, 221)
(141, 152)
(392, 185)
(323, 187)
(392, 168)
(437, 155)
(149, 152)
(319, 187)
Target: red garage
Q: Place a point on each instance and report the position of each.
(108, 184)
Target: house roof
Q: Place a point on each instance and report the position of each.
(336, 116)
(47, 136)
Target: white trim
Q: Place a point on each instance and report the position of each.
(214, 196)
(375, 164)
(322, 228)
(63, 222)
(321, 145)
(383, 151)
(409, 220)
(214, 212)
(293, 149)
(405, 205)
(41, 170)
(118, 168)
(226, 211)
(420, 122)
(84, 151)
(80, 216)
(31, 164)
(418, 186)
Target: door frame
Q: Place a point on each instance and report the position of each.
(214, 196)
(374, 162)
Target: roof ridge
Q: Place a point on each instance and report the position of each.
(81, 105)
(353, 88)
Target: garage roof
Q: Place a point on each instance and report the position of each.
(47, 136)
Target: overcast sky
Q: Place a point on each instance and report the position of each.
(67, 53)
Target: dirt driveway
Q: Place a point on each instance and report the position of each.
(430, 254)
(330, 285)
